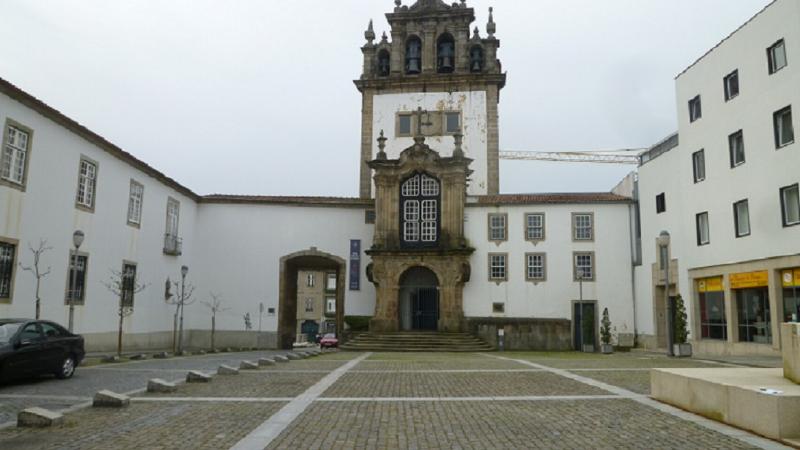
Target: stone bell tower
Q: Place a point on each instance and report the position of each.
(435, 62)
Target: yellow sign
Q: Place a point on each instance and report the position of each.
(749, 280)
(713, 284)
(791, 277)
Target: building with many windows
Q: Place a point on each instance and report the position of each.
(429, 243)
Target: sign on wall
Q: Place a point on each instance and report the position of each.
(749, 280)
(712, 284)
(355, 264)
(791, 277)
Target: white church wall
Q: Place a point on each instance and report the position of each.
(474, 127)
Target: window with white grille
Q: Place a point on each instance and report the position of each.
(534, 226)
(135, 203)
(536, 266)
(15, 152)
(583, 226)
(497, 267)
(584, 266)
(419, 203)
(497, 227)
(87, 183)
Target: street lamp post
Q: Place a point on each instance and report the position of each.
(184, 271)
(77, 240)
(663, 244)
(579, 318)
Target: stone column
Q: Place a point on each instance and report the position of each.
(398, 53)
(386, 317)
(462, 49)
(429, 48)
(365, 178)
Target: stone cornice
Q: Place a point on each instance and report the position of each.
(431, 82)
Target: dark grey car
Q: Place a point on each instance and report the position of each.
(34, 347)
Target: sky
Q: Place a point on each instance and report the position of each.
(256, 96)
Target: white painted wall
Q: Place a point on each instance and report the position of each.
(472, 104)
(552, 298)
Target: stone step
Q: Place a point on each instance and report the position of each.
(423, 341)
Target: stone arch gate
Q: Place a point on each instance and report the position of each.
(311, 259)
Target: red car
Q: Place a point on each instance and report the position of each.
(329, 341)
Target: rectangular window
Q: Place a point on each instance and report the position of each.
(776, 55)
(791, 300)
(310, 280)
(411, 222)
(701, 221)
(695, 111)
(369, 216)
(87, 183)
(404, 125)
(713, 323)
(452, 122)
(583, 266)
(497, 267)
(582, 226)
(498, 308)
(755, 321)
(699, 165)
(77, 278)
(330, 281)
(497, 227)
(790, 205)
(309, 305)
(661, 203)
(330, 305)
(534, 226)
(15, 155)
(731, 83)
(736, 145)
(7, 254)
(173, 216)
(535, 263)
(135, 203)
(784, 130)
(128, 284)
(741, 218)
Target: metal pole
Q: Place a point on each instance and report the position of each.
(580, 310)
(670, 331)
(71, 295)
(180, 331)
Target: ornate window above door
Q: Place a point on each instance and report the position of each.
(419, 211)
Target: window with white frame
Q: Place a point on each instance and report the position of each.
(776, 56)
(330, 281)
(583, 226)
(404, 124)
(497, 267)
(452, 122)
(535, 263)
(173, 217)
(741, 218)
(87, 183)
(534, 226)
(695, 111)
(310, 280)
(419, 203)
(7, 253)
(736, 146)
(309, 305)
(583, 266)
(790, 205)
(703, 236)
(497, 227)
(699, 165)
(731, 84)
(135, 203)
(15, 153)
(330, 305)
(784, 130)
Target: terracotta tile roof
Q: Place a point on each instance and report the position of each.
(56, 116)
(549, 198)
(288, 200)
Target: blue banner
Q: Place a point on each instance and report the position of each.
(355, 264)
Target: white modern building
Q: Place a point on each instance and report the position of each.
(429, 243)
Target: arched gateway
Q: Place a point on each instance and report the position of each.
(419, 300)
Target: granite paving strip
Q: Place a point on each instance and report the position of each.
(270, 429)
(249, 384)
(718, 427)
(512, 398)
(635, 380)
(212, 399)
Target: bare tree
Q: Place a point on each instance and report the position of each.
(124, 284)
(34, 269)
(182, 299)
(215, 305)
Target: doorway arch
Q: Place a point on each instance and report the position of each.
(311, 259)
(418, 300)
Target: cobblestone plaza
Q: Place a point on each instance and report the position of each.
(402, 400)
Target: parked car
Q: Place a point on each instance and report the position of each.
(329, 341)
(34, 347)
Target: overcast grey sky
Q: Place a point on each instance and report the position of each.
(256, 96)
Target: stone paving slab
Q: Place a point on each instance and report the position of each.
(146, 426)
(619, 424)
(479, 363)
(475, 384)
(248, 384)
(308, 364)
(618, 362)
(635, 381)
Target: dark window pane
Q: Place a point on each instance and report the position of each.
(752, 308)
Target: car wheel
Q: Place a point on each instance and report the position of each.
(67, 368)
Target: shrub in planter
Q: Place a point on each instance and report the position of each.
(605, 334)
(680, 329)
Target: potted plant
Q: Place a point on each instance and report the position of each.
(605, 334)
(680, 329)
(587, 331)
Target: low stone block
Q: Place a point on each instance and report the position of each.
(227, 370)
(109, 399)
(280, 359)
(294, 356)
(39, 418)
(266, 362)
(110, 359)
(159, 385)
(228, 350)
(195, 376)
(248, 365)
(200, 352)
(138, 357)
(161, 355)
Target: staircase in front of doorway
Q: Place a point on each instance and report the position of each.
(416, 341)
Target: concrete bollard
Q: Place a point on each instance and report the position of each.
(280, 358)
(159, 385)
(39, 418)
(248, 365)
(138, 357)
(161, 355)
(110, 359)
(266, 362)
(293, 356)
(110, 399)
(195, 376)
(227, 370)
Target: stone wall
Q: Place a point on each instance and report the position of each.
(193, 339)
(790, 339)
(524, 334)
